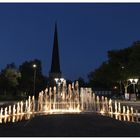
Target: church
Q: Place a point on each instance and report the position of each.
(55, 74)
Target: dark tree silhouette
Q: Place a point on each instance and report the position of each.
(121, 65)
(27, 77)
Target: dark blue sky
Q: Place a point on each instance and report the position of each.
(85, 32)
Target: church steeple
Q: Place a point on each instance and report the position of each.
(55, 71)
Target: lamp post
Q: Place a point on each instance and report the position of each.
(134, 82)
(122, 69)
(34, 67)
(59, 81)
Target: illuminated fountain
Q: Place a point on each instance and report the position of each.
(106, 105)
(119, 111)
(102, 104)
(98, 104)
(124, 113)
(9, 110)
(119, 108)
(14, 109)
(136, 116)
(110, 108)
(66, 99)
(94, 102)
(132, 113)
(5, 112)
(128, 114)
(21, 107)
(1, 114)
(116, 110)
(18, 108)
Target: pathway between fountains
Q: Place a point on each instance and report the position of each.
(87, 124)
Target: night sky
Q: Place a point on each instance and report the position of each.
(85, 32)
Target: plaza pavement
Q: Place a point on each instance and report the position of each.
(135, 104)
(70, 125)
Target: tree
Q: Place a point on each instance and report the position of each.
(121, 65)
(9, 79)
(135, 59)
(27, 77)
(99, 78)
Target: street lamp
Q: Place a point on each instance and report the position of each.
(122, 69)
(34, 67)
(59, 81)
(134, 82)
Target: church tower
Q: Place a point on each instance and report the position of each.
(55, 71)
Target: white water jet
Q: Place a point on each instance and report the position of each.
(124, 113)
(110, 108)
(94, 102)
(1, 112)
(14, 109)
(132, 113)
(18, 108)
(9, 110)
(106, 105)
(119, 108)
(116, 107)
(128, 114)
(21, 107)
(98, 103)
(5, 112)
(103, 104)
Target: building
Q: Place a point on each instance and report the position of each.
(55, 71)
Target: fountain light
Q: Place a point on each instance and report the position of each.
(102, 112)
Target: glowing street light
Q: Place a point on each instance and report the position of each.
(34, 67)
(134, 82)
(115, 87)
(59, 81)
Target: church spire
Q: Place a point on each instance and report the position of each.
(55, 71)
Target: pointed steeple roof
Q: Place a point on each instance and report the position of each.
(55, 65)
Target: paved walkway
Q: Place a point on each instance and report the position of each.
(135, 104)
(4, 103)
(70, 125)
